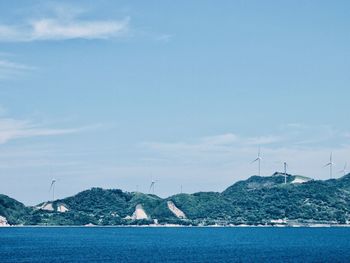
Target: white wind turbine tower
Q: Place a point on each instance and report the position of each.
(52, 188)
(152, 186)
(258, 159)
(330, 164)
(344, 169)
(285, 166)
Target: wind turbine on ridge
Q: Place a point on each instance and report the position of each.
(258, 159)
(152, 186)
(330, 164)
(344, 169)
(285, 166)
(52, 188)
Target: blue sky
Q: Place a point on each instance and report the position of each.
(117, 93)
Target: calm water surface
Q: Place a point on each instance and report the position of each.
(174, 244)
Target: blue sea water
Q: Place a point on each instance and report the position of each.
(118, 244)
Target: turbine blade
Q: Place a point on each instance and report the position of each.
(257, 159)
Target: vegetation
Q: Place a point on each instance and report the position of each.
(257, 200)
(15, 212)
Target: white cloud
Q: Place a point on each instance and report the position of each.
(164, 37)
(11, 129)
(12, 65)
(63, 26)
(216, 143)
(306, 152)
(10, 68)
(222, 139)
(219, 143)
(295, 125)
(347, 135)
(263, 140)
(53, 29)
(3, 110)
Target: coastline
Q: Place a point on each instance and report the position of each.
(180, 226)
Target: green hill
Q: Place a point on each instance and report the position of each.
(257, 200)
(15, 212)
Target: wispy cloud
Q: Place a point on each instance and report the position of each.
(221, 142)
(9, 68)
(347, 134)
(54, 29)
(263, 140)
(63, 25)
(164, 37)
(209, 143)
(305, 148)
(11, 129)
(222, 139)
(3, 110)
(12, 65)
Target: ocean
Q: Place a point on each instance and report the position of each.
(147, 244)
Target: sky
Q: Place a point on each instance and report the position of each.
(115, 94)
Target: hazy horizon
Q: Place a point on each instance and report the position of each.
(116, 94)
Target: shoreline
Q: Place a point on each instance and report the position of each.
(181, 226)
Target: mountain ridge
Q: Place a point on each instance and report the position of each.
(258, 200)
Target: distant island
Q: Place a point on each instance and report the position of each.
(257, 201)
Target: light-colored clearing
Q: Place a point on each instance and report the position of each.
(46, 206)
(3, 221)
(176, 211)
(139, 213)
(300, 180)
(62, 208)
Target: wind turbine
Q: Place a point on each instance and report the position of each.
(151, 187)
(344, 169)
(258, 159)
(330, 164)
(285, 165)
(52, 188)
